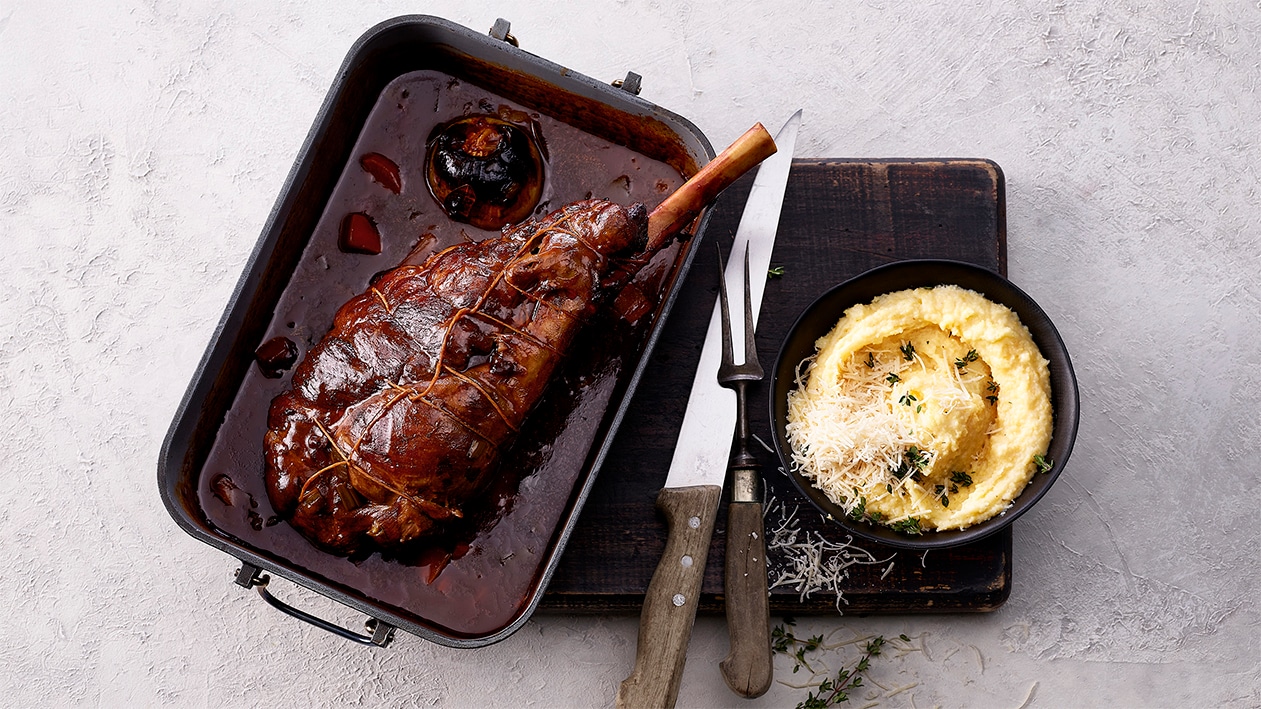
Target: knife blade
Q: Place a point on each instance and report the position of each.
(689, 500)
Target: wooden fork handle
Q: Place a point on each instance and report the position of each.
(748, 667)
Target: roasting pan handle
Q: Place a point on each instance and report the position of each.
(252, 576)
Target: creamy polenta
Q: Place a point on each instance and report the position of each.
(924, 409)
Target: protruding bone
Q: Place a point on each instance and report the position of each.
(680, 208)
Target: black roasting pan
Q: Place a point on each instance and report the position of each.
(210, 469)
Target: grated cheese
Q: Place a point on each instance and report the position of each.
(850, 425)
(809, 563)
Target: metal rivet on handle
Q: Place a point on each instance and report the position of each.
(686, 561)
(694, 522)
(679, 599)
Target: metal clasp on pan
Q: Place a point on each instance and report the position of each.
(500, 32)
(631, 84)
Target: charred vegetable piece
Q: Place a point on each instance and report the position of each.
(359, 235)
(383, 170)
(484, 171)
(224, 489)
(275, 356)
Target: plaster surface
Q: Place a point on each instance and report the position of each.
(145, 142)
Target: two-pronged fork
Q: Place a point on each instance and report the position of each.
(748, 666)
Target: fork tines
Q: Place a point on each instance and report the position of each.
(728, 370)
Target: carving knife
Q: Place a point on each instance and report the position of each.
(689, 500)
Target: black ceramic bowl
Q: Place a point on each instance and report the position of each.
(818, 319)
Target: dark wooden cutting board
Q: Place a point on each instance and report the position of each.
(840, 218)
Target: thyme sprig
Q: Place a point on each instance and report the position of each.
(859, 510)
(859, 513)
(1043, 463)
(909, 526)
(913, 462)
(966, 359)
(958, 479)
(834, 690)
(785, 643)
(775, 272)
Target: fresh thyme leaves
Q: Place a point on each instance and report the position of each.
(909, 399)
(963, 361)
(939, 491)
(909, 526)
(834, 690)
(871, 360)
(892, 379)
(918, 458)
(1043, 463)
(775, 272)
(992, 388)
(913, 462)
(860, 509)
(859, 512)
(908, 351)
(958, 479)
(784, 642)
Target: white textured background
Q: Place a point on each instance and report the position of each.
(141, 148)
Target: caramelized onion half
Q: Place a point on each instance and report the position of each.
(484, 171)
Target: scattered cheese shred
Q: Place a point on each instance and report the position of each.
(1028, 697)
(807, 562)
(901, 689)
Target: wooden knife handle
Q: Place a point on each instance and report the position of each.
(665, 624)
(748, 668)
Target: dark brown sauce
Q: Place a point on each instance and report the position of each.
(479, 579)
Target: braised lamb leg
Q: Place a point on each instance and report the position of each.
(398, 417)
